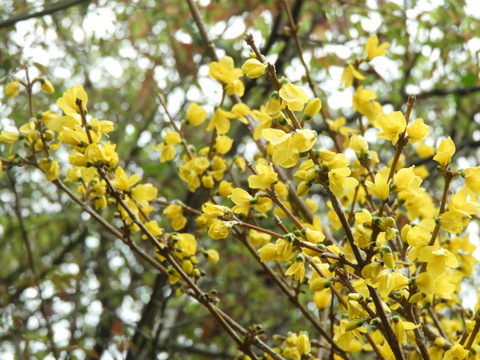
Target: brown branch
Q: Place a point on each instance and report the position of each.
(53, 8)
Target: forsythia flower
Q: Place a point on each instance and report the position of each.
(51, 168)
(68, 101)
(223, 144)
(253, 68)
(348, 74)
(218, 230)
(9, 137)
(456, 352)
(372, 48)
(122, 181)
(225, 71)
(472, 179)
(266, 177)
(153, 228)
(425, 151)
(297, 269)
(445, 151)
(391, 126)
(437, 259)
(258, 238)
(287, 146)
(380, 188)
(171, 139)
(175, 213)
(399, 328)
(293, 96)
(339, 179)
(144, 193)
(417, 131)
(220, 121)
(195, 114)
(363, 102)
(11, 90)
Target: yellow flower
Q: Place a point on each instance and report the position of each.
(225, 188)
(235, 87)
(417, 131)
(242, 200)
(339, 179)
(289, 146)
(207, 181)
(9, 137)
(380, 188)
(297, 269)
(406, 182)
(253, 68)
(175, 213)
(363, 102)
(293, 96)
(144, 193)
(472, 179)
(425, 151)
(224, 70)
(67, 101)
(391, 126)
(220, 121)
(437, 259)
(170, 139)
(456, 352)
(103, 155)
(11, 90)
(268, 252)
(265, 121)
(213, 211)
(400, 327)
(186, 244)
(218, 230)
(153, 228)
(372, 48)
(258, 238)
(122, 181)
(223, 144)
(335, 125)
(195, 114)
(348, 74)
(51, 168)
(46, 86)
(445, 151)
(312, 108)
(266, 177)
(100, 126)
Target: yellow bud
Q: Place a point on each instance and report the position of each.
(187, 266)
(46, 86)
(213, 256)
(321, 299)
(253, 68)
(312, 108)
(11, 90)
(303, 343)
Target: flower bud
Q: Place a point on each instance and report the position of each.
(11, 90)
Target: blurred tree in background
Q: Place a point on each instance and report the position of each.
(101, 301)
